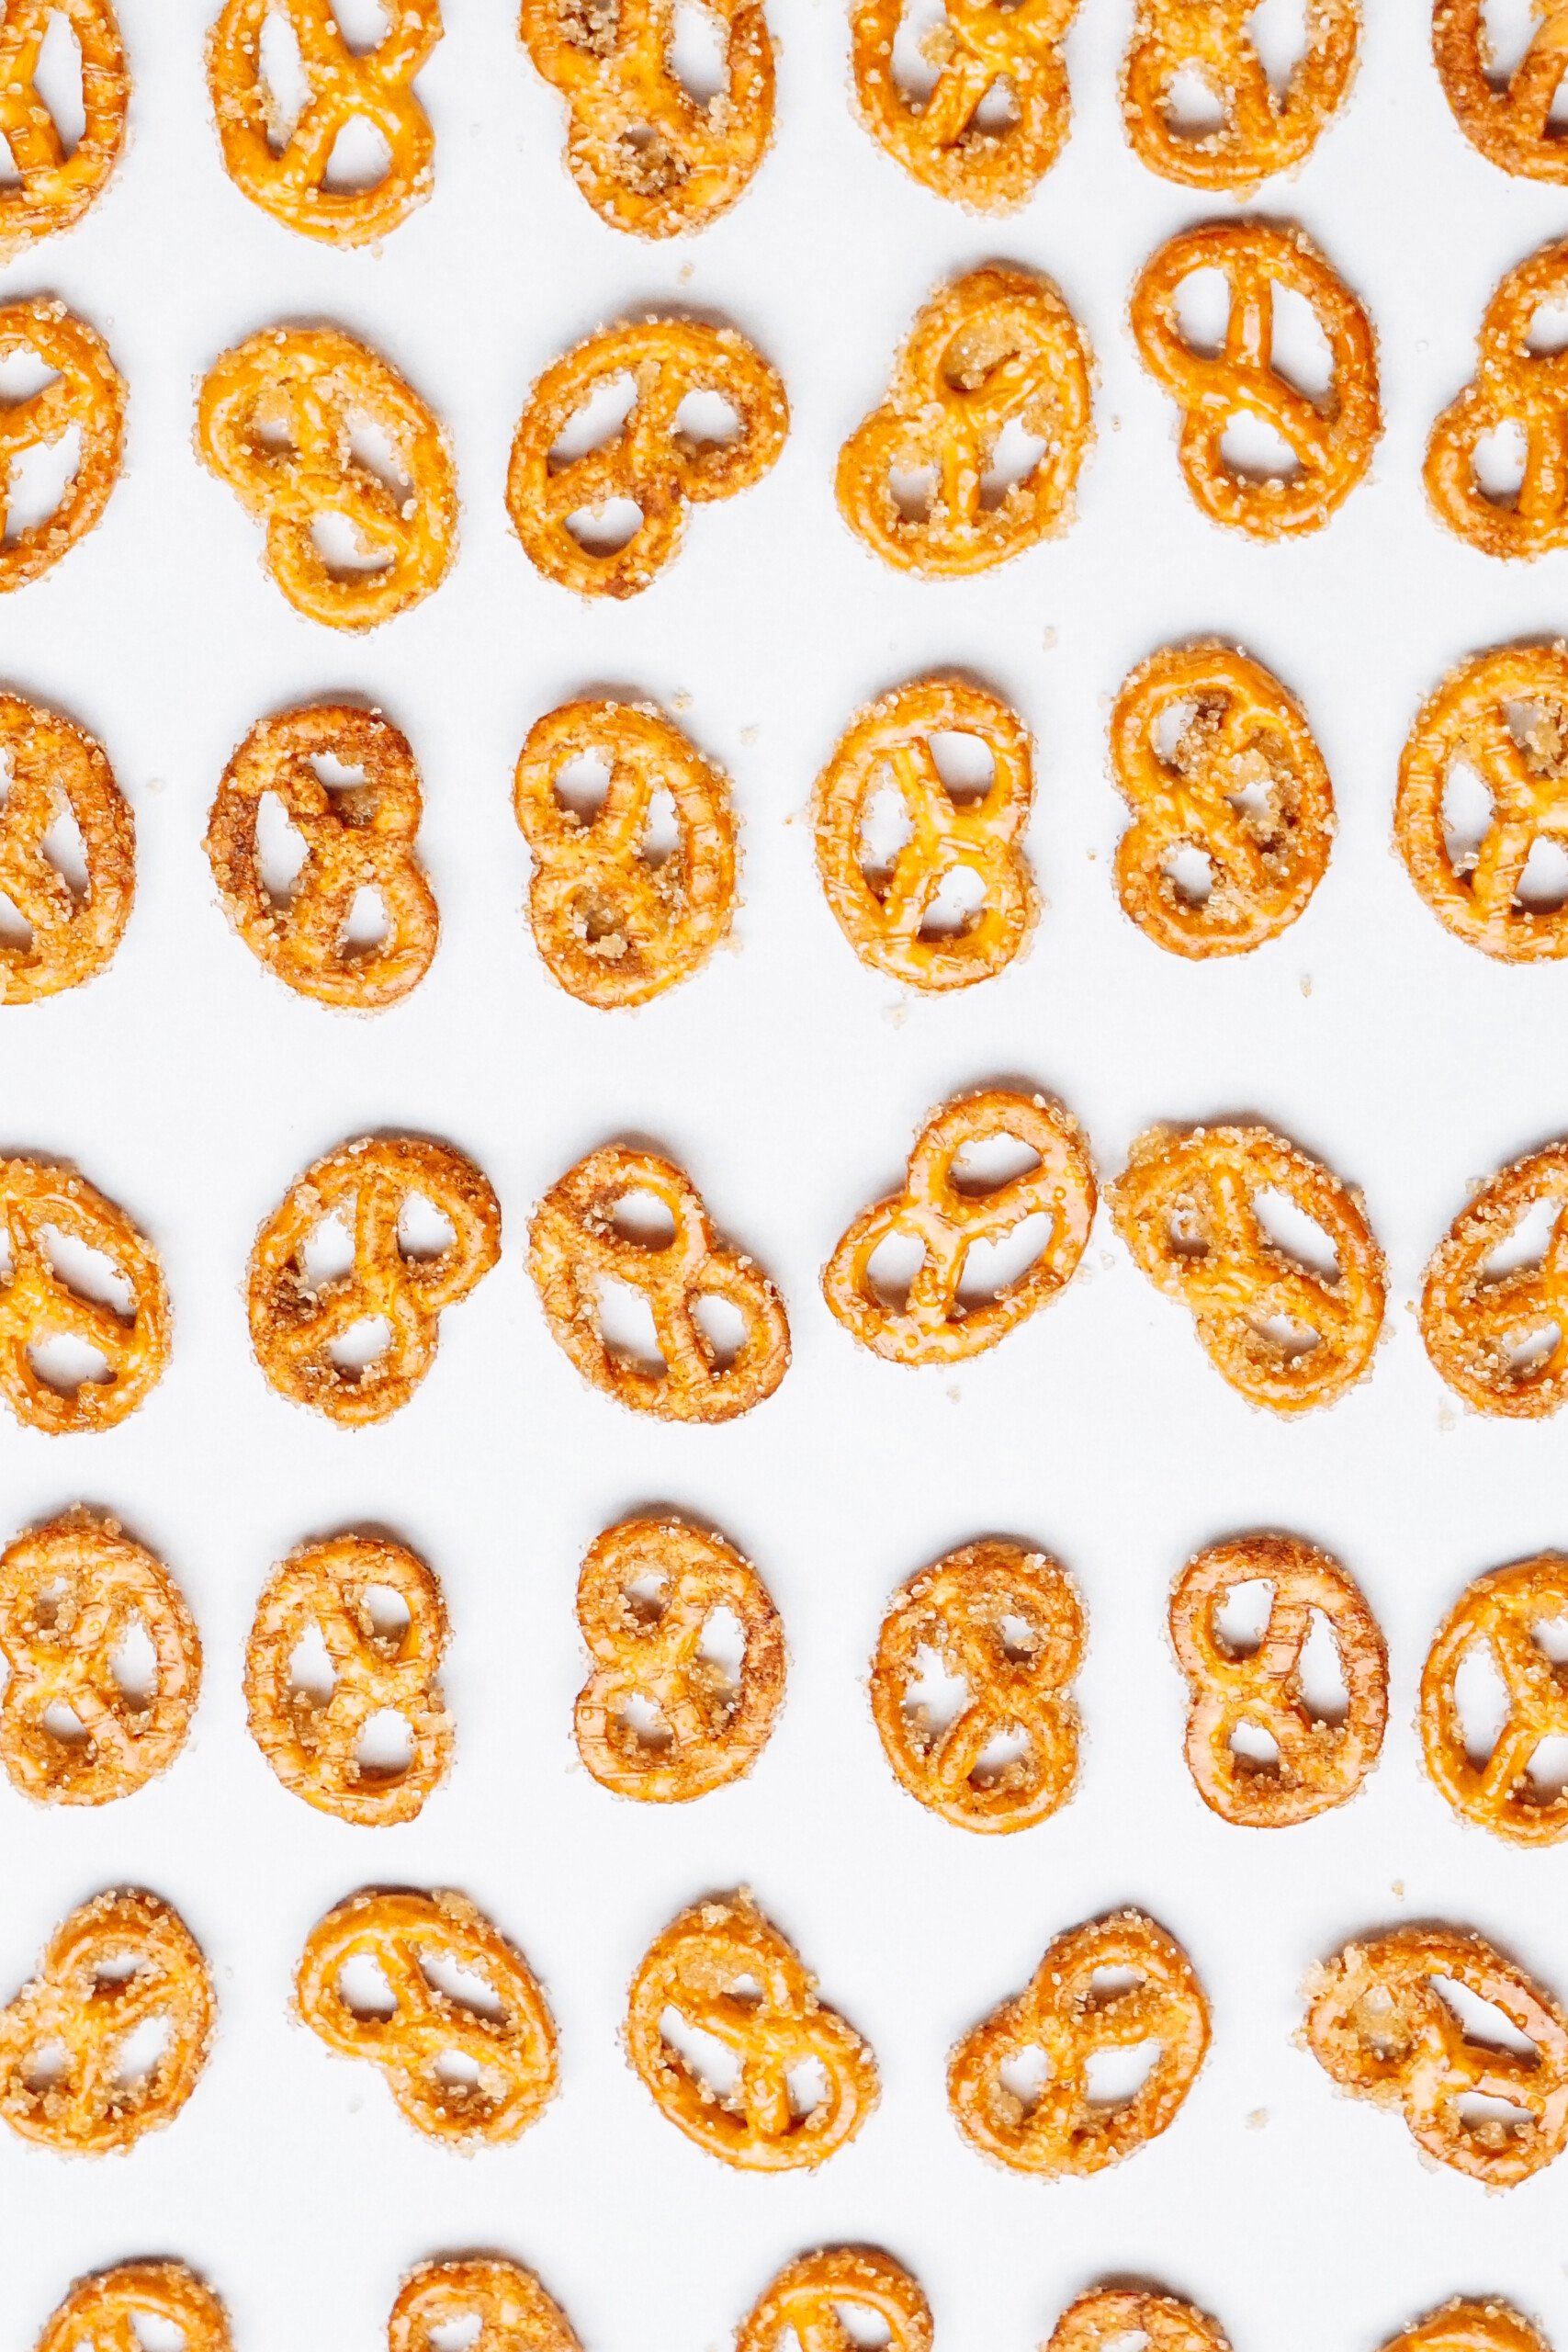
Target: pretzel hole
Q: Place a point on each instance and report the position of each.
(627, 1327)
(1542, 887)
(1287, 1225)
(312, 1677)
(142, 2051)
(1298, 349)
(1003, 1760)
(367, 924)
(1193, 107)
(955, 905)
(1240, 1616)
(1482, 2021)
(363, 1987)
(605, 529)
(285, 86)
(886, 829)
(64, 1723)
(913, 492)
(921, 46)
(133, 1662)
(1013, 456)
(281, 850)
(425, 1232)
(705, 419)
(722, 1327)
(934, 1696)
(1113, 2076)
(698, 52)
(1547, 1770)
(1550, 1637)
(1548, 331)
(46, 2068)
(581, 785)
(1525, 1243)
(1320, 1673)
(153, 2333)
(864, 2327)
(1190, 872)
(1255, 1750)
(1255, 453)
(982, 1164)
(457, 2072)
(343, 548)
(1482, 1704)
(363, 1344)
(597, 420)
(385, 1748)
(1025, 2075)
(39, 478)
(360, 158)
(807, 2084)
(460, 2335)
(372, 447)
(57, 80)
(891, 1269)
(991, 1268)
(1497, 460)
(998, 109)
(1507, 29)
(1279, 32)
(716, 2066)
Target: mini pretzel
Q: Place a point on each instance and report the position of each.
(51, 763)
(70, 1592)
(646, 155)
(1319, 1763)
(1501, 1341)
(1067, 2130)
(296, 1319)
(115, 1964)
(513, 2311)
(885, 915)
(1512, 384)
(574, 1243)
(1511, 123)
(613, 925)
(729, 1972)
(995, 349)
(1186, 1206)
(312, 386)
(804, 2304)
(400, 1930)
(1109, 2315)
(948, 1213)
(1331, 433)
(359, 837)
(313, 1743)
(53, 189)
(100, 2313)
(1259, 131)
(1011, 1624)
(1465, 2326)
(1380, 2027)
(86, 392)
(648, 1649)
(1247, 734)
(1499, 1614)
(940, 140)
(374, 86)
(38, 1302)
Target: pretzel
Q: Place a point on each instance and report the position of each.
(84, 393)
(995, 349)
(940, 139)
(1499, 1614)
(116, 1963)
(297, 1319)
(1515, 385)
(1109, 2315)
(52, 189)
(358, 837)
(51, 763)
(729, 1974)
(1379, 2026)
(613, 925)
(1331, 433)
(69, 1593)
(312, 1742)
(1186, 1206)
(1067, 2130)
(574, 1244)
(100, 2313)
(948, 1213)
(1465, 2326)
(276, 419)
(513, 2311)
(401, 1930)
(647, 1650)
(375, 85)
(1259, 131)
(646, 155)
(885, 915)
(1509, 122)
(38, 1302)
(1318, 1763)
(803, 2304)
(1247, 734)
(1009, 1622)
(1501, 1341)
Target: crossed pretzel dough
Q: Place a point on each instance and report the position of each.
(1515, 385)
(1499, 1615)
(52, 189)
(1260, 131)
(942, 140)
(38, 1302)
(1109, 2315)
(805, 2303)
(513, 2311)
(100, 2313)
(72, 935)
(1511, 123)
(84, 393)
(1462, 2325)
(1501, 1339)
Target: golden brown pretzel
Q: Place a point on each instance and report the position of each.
(114, 1965)
(949, 1213)
(803, 2304)
(296, 1319)
(1379, 2025)
(52, 189)
(85, 393)
(1065, 2130)
(701, 1966)
(614, 925)
(1318, 1762)
(100, 2313)
(1513, 384)
(885, 915)
(70, 1592)
(1109, 2315)
(1509, 121)
(1260, 131)
(38, 1302)
(647, 1647)
(940, 139)
(995, 349)
(373, 86)
(400, 1929)
(1501, 1339)
(513, 2311)
(1465, 2326)
(1500, 1615)
(275, 420)
(72, 935)
(1247, 734)
(358, 837)
(1331, 433)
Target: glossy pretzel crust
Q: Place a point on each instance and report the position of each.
(52, 189)
(1260, 131)
(1513, 384)
(1484, 1331)
(72, 935)
(1498, 1617)
(100, 2313)
(85, 393)
(803, 2304)
(38, 1302)
(940, 139)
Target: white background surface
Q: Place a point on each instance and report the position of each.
(789, 1080)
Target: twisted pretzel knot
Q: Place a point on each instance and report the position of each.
(996, 348)
(575, 1243)
(613, 925)
(1378, 2025)
(646, 155)
(1009, 1622)
(50, 763)
(53, 189)
(939, 139)
(805, 2300)
(86, 392)
(312, 1742)
(1186, 1206)
(312, 385)
(1511, 124)
(710, 1730)
(650, 458)
(297, 1319)
(83, 2002)
(1319, 1763)
(100, 2313)
(400, 1930)
(1512, 384)
(694, 1967)
(1247, 734)
(357, 837)
(70, 1592)
(1501, 1612)
(514, 2313)
(885, 916)
(1331, 433)
(1065, 2130)
(1501, 1339)
(1465, 2326)
(948, 1216)
(1259, 131)
(38, 1302)
(290, 179)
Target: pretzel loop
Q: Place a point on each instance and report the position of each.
(100, 2313)
(1516, 385)
(1500, 1615)
(38, 1302)
(85, 393)
(1107, 2315)
(1509, 122)
(807, 2297)
(940, 139)
(513, 2311)
(52, 764)
(1259, 131)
